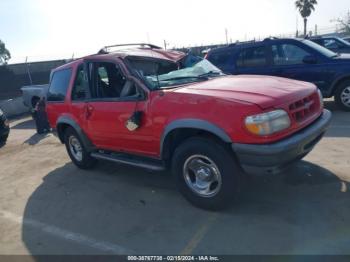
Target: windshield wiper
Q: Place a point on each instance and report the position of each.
(185, 77)
(211, 73)
(202, 76)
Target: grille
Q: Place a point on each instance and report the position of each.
(302, 109)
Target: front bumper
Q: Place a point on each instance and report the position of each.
(273, 158)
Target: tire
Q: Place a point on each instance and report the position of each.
(220, 168)
(3, 139)
(76, 150)
(34, 101)
(342, 95)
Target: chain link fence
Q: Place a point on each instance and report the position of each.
(35, 70)
(14, 76)
(334, 30)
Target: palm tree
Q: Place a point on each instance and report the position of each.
(4, 53)
(305, 8)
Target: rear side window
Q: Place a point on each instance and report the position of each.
(79, 92)
(219, 59)
(332, 43)
(59, 85)
(252, 57)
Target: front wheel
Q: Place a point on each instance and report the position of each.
(206, 173)
(76, 150)
(342, 95)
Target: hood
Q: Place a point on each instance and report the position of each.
(264, 91)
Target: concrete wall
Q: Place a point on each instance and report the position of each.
(13, 77)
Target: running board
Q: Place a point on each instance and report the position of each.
(150, 164)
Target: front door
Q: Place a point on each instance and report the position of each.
(114, 99)
(288, 61)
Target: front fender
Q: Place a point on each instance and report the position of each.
(195, 124)
(338, 80)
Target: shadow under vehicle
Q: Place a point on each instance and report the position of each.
(74, 211)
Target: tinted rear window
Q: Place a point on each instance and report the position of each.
(219, 59)
(252, 57)
(59, 85)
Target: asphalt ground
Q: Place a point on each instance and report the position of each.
(48, 206)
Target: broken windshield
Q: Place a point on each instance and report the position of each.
(157, 73)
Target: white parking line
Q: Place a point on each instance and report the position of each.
(67, 235)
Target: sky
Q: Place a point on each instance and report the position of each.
(47, 29)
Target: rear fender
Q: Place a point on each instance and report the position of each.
(65, 121)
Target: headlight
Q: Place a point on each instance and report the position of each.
(1, 113)
(320, 96)
(267, 123)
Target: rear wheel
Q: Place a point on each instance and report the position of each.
(76, 151)
(3, 139)
(206, 173)
(342, 95)
(34, 101)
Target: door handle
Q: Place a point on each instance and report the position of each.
(88, 110)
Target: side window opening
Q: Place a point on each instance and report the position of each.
(252, 57)
(332, 43)
(59, 85)
(110, 82)
(288, 54)
(79, 92)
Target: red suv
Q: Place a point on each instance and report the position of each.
(157, 109)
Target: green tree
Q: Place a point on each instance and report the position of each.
(305, 8)
(4, 53)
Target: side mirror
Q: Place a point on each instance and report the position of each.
(309, 59)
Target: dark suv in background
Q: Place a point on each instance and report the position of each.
(298, 59)
(334, 44)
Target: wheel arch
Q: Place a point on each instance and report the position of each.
(179, 130)
(64, 122)
(337, 82)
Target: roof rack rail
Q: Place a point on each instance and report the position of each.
(104, 50)
(243, 42)
(271, 38)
